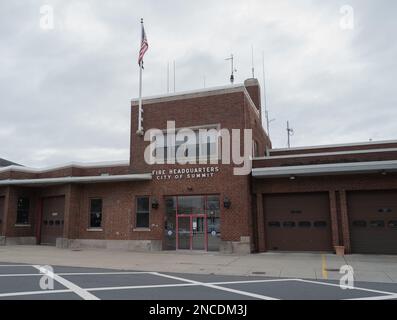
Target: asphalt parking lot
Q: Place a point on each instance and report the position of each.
(21, 282)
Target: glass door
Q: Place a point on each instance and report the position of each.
(184, 233)
(199, 232)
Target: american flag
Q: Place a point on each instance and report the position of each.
(144, 46)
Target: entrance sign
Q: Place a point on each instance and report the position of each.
(186, 173)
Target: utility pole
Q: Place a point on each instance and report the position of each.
(290, 133)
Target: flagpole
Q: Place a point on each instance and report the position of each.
(140, 128)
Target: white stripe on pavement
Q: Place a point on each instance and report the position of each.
(73, 274)
(208, 285)
(66, 283)
(354, 288)
(387, 297)
(31, 293)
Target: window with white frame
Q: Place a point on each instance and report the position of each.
(188, 144)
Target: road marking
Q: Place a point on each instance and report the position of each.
(353, 288)
(72, 274)
(16, 265)
(31, 293)
(324, 269)
(21, 275)
(387, 297)
(244, 293)
(185, 285)
(68, 284)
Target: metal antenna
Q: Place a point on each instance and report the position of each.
(290, 133)
(174, 77)
(233, 70)
(168, 77)
(253, 65)
(268, 120)
(205, 80)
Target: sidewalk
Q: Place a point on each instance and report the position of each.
(279, 265)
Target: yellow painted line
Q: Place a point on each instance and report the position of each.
(325, 272)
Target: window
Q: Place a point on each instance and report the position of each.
(360, 224)
(377, 224)
(305, 224)
(23, 211)
(274, 224)
(142, 212)
(187, 145)
(255, 149)
(393, 224)
(96, 213)
(385, 210)
(289, 224)
(320, 224)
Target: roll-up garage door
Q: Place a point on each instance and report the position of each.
(373, 221)
(298, 222)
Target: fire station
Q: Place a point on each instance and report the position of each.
(317, 199)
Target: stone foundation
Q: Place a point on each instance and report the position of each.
(127, 245)
(20, 241)
(241, 247)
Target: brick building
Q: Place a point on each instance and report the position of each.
(302, 199)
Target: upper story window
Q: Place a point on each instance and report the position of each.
(187, 144)
(255, 150)
(96, 213)
(23, 206)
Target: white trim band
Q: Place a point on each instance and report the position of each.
(67, 180)
(78, 165)
(321, 169)
(322, 154)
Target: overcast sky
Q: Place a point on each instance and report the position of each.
(65, 92)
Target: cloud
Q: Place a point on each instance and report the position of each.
(65, 92)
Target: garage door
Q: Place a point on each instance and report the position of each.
(52, 220)
(373, 221)
(298, 222)
(2, 203)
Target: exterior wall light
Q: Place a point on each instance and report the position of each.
(227, 203)
(292, 178)
(155, 204)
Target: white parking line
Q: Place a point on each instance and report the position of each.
(68, 284)
(31, 293)
(72, 274)
(182, 285)
(208, 285)
(388, 297)
(354, 288)
(16, 265)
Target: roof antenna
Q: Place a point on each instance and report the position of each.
(290, 133)
(174, 76)
(168, 77)
(268, 120)
(253, 65)
(233, 69)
